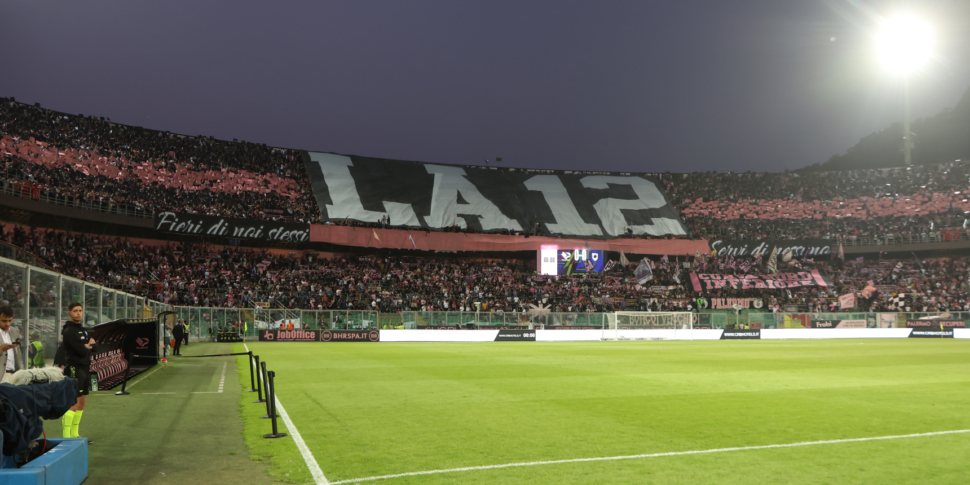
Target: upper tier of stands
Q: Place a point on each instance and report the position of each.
(898, 202)
(106, 164)
(94, 159)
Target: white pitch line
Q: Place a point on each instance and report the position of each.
(129, 386)
(311, 462)
(649, 455)
(222, 381)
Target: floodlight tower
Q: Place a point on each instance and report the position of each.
(905, 44)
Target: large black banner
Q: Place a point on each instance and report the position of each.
(439, 196)
(194, 224)
(800, 248)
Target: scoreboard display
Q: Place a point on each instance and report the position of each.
(555, 261)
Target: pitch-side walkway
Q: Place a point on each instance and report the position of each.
(180, 425)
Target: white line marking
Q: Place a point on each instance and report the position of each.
(129, 386)
(649, 455)
(155, 393)
(222, 382)
(311, 462)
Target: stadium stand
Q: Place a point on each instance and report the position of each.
(97, 161)
(106, 164)
(211, 276)
(901, 203)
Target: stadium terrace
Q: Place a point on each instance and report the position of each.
(235, 251)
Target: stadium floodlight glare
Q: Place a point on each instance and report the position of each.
(905, 43)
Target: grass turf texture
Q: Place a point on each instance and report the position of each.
(375, 409)
(174, 438)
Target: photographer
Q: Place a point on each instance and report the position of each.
(10, 353)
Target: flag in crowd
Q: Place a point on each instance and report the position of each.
(643, 272)
(919, 263)
(773, 261)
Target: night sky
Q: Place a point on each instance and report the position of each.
(627, 86)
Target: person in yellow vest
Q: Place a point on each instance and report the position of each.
(35, 351)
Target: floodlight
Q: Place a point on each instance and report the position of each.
(905, 43)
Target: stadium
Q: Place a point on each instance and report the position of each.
(265, 314)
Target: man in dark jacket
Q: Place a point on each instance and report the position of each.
(178, 333)
(77, 356)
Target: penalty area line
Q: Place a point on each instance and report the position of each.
(318, 477)
(649, 455)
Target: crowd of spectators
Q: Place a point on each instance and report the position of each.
(210, 276)
(902, 202)
(98, 161)
(94, 159)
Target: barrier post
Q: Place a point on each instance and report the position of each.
(271, 398)
(252, 382)
(270, 411)
(124, 383)
(259, 382)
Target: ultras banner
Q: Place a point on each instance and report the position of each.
(800, 248)
(433, 196)
(194, 224)
(704, 281)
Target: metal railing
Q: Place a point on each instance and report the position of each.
(207, 322)
(40, 298)
(16, 253)
(888, 240)
(499, 319)
(31, 191)
(855, 319)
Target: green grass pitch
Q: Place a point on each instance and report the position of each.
(370, 409)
